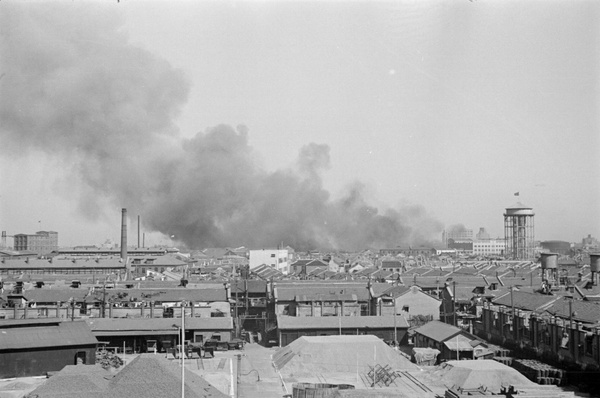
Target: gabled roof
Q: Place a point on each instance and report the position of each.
(396, 291)
(266, 272)
(328, 292)
(158, 326)
(440, 331)
(525, 300)
(326, 297)
(391, 264)
(583, 311)
(169, 295)
(382, 274)
(301, 262)
(215, 252)
(253, 286)
(44, 295)
(15, 336)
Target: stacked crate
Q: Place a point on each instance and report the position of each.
(503, 356)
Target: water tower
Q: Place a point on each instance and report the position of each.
(595, 267)
(519, 232)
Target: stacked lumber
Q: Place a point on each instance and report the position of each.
(540, 372)
(536, 392)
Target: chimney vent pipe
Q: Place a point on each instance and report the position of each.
(124, 235)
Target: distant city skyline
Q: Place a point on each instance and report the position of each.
(390, 119)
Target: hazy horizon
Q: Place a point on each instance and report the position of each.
(327, 124)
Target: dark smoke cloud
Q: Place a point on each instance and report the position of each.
(456, 228)
(74, 86)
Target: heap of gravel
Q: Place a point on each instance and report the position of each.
(485, 373)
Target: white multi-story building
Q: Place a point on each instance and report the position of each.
(457, 234)
(489, 247)
(276, 258)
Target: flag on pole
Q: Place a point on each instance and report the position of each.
(516, 194)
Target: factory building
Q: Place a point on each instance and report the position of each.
(42, 242)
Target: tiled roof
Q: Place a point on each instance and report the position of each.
(168, 260)
(265, 272)
(583, 311)
(54, 295)
(58, 334)
(287, 291)
(383, 274)
(57, 263)
(326, 297)
(525, 300)
(165, 295)
(396, 291)
(391, 264)
(588, 288)
(253, 286)
(99, 325)
(214, 252)
(285, 322)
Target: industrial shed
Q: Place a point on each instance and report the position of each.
(36, 347)
(135, 334)
(385, 327)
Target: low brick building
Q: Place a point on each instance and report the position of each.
(36, 347)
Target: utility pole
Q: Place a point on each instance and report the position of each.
(237, 318)
(183, 349)
(395, 328)
(571, 313)
(104, 299)
(512, 309)
(454, 302)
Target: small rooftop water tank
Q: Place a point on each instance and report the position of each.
(549, 260)
(595, 262)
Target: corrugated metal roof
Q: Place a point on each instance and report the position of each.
(461, 345)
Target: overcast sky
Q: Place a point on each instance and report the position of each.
(450, 106)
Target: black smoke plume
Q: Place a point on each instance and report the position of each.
(72, 85)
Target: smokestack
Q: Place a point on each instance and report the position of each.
(124, 235)
(138, 231)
